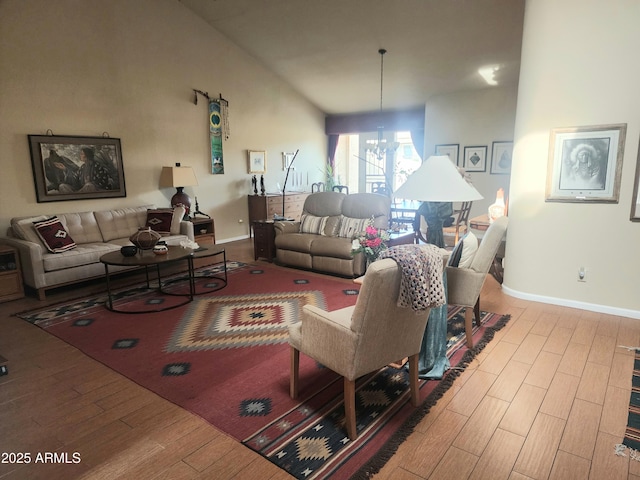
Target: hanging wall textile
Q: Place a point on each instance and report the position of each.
(215, 132)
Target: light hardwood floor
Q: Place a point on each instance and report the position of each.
(547, 398)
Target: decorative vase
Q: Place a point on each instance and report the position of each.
(129, 250)
(145, 238)
(161, 248)
(497, 209)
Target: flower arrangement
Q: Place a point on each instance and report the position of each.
(371, 242)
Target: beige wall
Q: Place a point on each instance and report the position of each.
(579, 67)
(128, 68)
(473, 119)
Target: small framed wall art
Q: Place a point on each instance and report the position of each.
(451, 150)
(76, 168)
(475, 159)
(585, 164)
(501, 158)
(257, 161)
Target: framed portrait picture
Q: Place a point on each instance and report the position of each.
(475, 159)
(76, 168)
(585, 164)
(257, 161)
(501, 153)
(450, 150)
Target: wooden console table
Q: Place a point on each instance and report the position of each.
(263, 207)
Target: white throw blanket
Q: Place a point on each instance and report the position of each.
(421, 285)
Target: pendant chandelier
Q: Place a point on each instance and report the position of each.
(380, 147)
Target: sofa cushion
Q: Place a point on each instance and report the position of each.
(335, 247)
(54, 236)
(159, 220)
(299, 242)
(121, 222)
(464, 251)
(333, 224)
(84, 254)
(165, 221)
(367, 205)
(350, 227)
(323, 204)
(81, 226)
(312, 224)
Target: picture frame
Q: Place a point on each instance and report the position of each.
(501, 157)
(76, 168)
(452, 150)
(475, 159)
(585, 164)
(635, 200)
(257, 161)
(287, 159)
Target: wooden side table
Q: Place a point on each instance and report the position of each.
(11, 287)
(264, 239)
(204, 229)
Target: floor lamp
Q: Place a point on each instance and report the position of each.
(438, 180)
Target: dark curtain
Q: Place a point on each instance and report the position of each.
(333, 145)
(417, 137)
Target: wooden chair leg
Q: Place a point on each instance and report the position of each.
(413, 380)
(350, 408)
(468, 326)
(295, 367)
(476, 310)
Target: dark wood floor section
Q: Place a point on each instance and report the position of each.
(547, 398)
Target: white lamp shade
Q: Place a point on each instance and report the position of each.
(437, 180)
(178, 177)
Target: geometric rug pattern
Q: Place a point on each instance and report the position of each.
(236, 321)
(225, 357)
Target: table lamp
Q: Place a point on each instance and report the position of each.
(438, 180)
(179, 177)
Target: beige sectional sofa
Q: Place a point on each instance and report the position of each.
(321, 240)
(94, 234)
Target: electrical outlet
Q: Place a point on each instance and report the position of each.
(582, 274)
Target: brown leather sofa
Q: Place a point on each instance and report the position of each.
(321, 240)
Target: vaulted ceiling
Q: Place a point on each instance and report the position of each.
(328, 49)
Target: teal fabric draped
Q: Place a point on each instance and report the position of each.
(433, 360)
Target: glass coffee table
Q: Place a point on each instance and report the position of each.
(149, 260)
(207, 282)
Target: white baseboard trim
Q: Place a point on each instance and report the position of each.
(592, 307)
(232, 239)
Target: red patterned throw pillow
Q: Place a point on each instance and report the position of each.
(160, 219)
(54, 236)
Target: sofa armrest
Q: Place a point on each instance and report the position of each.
(30, 259)
(286, 227)
(186, 228)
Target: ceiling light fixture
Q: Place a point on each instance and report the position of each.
(489, 74)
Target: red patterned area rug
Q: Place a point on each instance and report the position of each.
(225, 357)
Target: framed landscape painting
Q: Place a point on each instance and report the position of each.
(76, 168)
(451, 150)
(475, 159)
(585, 164)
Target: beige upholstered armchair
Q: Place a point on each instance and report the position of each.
(357, 340)
(464, 284)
